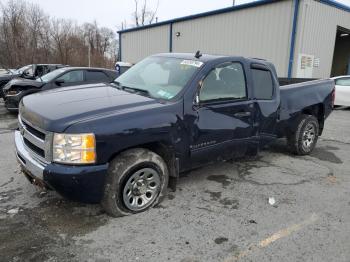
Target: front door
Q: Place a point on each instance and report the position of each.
(223, 123)
(71, 78)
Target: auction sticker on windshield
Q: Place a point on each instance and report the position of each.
(165, 94)
(192, 63)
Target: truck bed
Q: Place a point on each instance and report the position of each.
(288, 81)
(296, 97)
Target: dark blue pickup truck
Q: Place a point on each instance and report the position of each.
(119, 144)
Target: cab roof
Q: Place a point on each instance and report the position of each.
(208, 58)
(84, 68)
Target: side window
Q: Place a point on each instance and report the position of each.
(343, 82)
(72, 76)
(96, 76)
(263, 84)
(39, 70)
(46, 69)
(226, 81)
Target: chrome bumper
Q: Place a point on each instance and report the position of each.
(28, 163)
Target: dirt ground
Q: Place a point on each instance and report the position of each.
(218, 213)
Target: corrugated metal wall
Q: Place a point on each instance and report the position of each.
(262, 32)
(316, 34)
(137, 45)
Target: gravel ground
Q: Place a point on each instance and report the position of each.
(218, 213)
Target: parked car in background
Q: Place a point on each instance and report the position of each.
(26, 72)
(122, 67)
(119, 143)
(16, 89)
(342, 90)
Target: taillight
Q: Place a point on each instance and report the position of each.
(333, 97)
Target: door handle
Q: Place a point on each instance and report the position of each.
(243, 114)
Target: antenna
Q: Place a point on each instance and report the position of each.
(198, 54)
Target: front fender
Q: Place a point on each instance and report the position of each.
(117, 133)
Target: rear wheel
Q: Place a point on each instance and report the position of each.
(304, 139)
(137, 179)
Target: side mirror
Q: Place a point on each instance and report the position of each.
(59, 82)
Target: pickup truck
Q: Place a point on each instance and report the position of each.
(122, 144)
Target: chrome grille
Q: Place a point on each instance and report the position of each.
(36, 140)
(34, 131)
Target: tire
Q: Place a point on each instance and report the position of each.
(135, 177)
(304, 139)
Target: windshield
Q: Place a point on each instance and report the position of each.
(51, 76)
(159, 77)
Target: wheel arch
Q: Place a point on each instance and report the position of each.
(317, 111)
(162, 148)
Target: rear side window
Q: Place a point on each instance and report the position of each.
(343, 82)
(96, 76)
(263, 84)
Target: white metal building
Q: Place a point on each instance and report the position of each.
(303, 38)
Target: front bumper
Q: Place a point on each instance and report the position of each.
(79, 183)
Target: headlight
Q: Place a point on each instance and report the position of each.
(12, 92)
(74, 148)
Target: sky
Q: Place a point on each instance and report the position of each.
(111, 13)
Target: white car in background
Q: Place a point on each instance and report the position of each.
(342, 90)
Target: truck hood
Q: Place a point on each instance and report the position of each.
(23, 84)
(58, 109)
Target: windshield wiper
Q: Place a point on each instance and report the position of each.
(137, 90)
(134, 89)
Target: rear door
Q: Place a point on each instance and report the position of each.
(266, 102)
(96, 76)
(222, 126)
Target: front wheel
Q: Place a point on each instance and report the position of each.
(304, 139)
(136, 180)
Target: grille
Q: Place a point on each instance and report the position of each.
(35, 140)
(34, 131)
(34, 148)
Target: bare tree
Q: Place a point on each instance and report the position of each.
(36, 19)
(28, 35)
(143, 14)
(13, 23)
